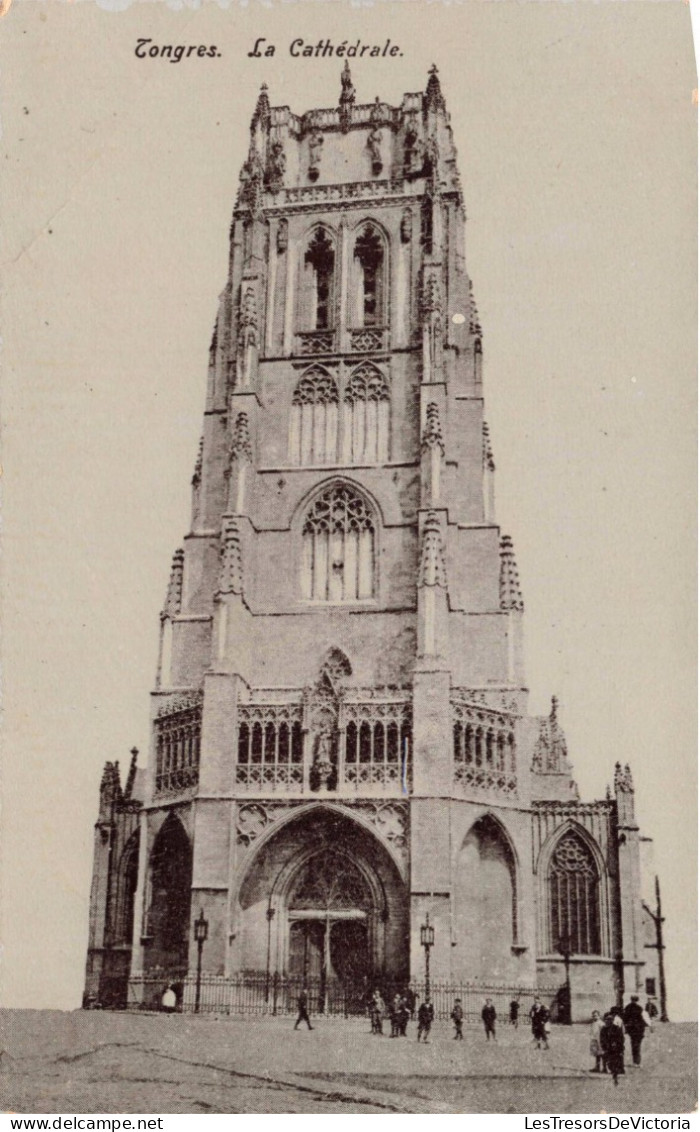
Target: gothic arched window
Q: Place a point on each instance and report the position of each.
(313, 423)
(574, 906)
(366, 417)
(369, 270)
(319, 264)
(338, 547)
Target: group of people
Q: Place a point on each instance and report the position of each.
(607, 1041)
(608, 1036)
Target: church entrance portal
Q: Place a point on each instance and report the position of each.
(328, 908)
(333, 907)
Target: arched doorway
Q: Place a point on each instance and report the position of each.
(328, 908)
(170, 875)
(323, 902)
(486, 904)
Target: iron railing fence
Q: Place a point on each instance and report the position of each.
(254, 994)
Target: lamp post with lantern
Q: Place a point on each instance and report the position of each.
(564, 950)
(427, 939)
(201, 931)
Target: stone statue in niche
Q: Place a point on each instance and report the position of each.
(323, 763)
(315, 146)
(374, 143)
(410, 149)
(276, 166)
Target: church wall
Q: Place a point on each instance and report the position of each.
(377, 644)
(473, 566)
(478, 649)
(191, 652)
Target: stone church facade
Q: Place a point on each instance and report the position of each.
(341, 743)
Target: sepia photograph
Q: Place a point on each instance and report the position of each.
(349, 507)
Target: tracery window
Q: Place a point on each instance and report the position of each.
(366, 417)
(313, 423)
(270, 746)
(320, 266)
(330, 882)
(573, 883)
(369, 278)
(338, 547)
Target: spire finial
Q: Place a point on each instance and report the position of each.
(347, 98)
(433, 92)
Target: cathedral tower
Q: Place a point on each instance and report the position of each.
(341, 744)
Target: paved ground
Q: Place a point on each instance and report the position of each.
(94, 1062)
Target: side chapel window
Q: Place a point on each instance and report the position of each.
(319, 264)
(573, 884)
(369, 277)
(313, 423)
(338, 547)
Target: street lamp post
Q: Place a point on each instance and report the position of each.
(427, 939)
(201, 931)
(564, 950)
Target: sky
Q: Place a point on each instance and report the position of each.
(575, 129)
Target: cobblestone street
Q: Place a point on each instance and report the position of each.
(116, 1063)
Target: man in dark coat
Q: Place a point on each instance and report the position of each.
(488, 1015)
(612, 1043)
(539, 1020)
(303, 1008)
(457, 1017)
(514, 1012)
(426, 1014)
(635, 1025)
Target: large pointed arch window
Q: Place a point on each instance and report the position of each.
(319, 265)
(313, 423)
(574, 897)
(366, 417)
(369, 272)
(338, 547)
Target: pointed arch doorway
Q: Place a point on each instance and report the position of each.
(329, 909)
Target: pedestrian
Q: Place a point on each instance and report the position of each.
(395, 1012)
(595, 1046)
(303, 1009)
(457, 1017)
(635, 1021)
(377, 1013)
(514, 1012)
(168, 1002)
(488, 1015)
(651, 1009)
(411, 1001)
(539, 1021)
(404, 1015)
(612, 1042)
(425, 1019)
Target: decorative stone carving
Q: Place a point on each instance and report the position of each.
(406, 226)
(197, 474)
(486, 451)
(252, 179)
(276, 166)
(432, 433)
(410, 147)
(390, 820)
(474, 324)
(431, 297)
(282, 236)
(231, 575)
(315, 147)
(241, 448)
(623, 779)
(550, 754)
(434, 99)
(511, 597)
(250, 822)
(347, 98)
(248, 320)
(432, 564)
(173, 599)
(374, 144)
